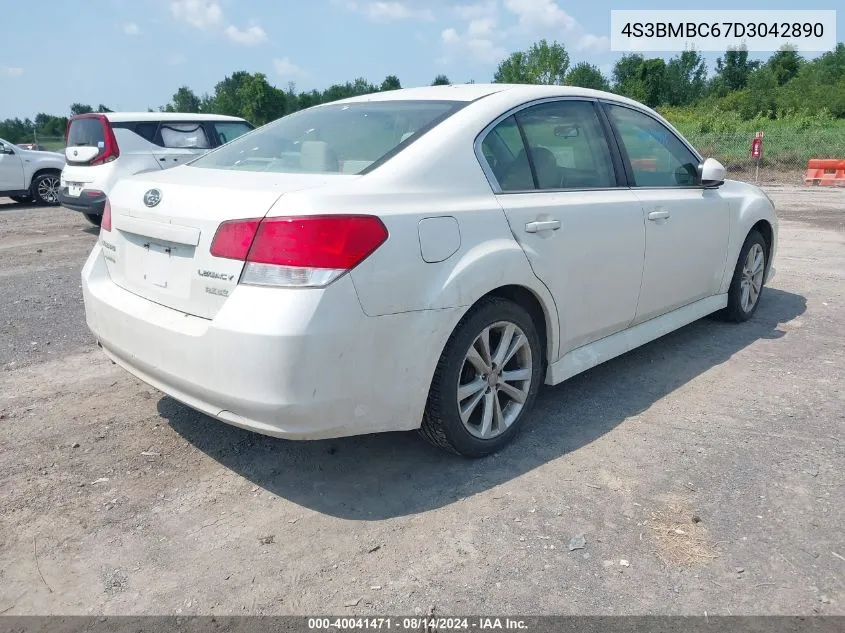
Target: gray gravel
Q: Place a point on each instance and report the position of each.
(717, 448)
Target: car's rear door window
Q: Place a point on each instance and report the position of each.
(550, 146)
(567, 145)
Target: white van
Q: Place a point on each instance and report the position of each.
(102, 148)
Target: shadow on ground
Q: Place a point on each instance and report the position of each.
(394, 474)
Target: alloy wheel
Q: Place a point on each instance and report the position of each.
(494, 380)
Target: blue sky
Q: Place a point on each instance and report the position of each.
(134, 54)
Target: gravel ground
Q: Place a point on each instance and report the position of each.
(702, 470)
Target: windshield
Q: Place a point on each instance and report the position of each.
(342, 138)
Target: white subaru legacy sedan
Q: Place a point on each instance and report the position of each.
(420, 259)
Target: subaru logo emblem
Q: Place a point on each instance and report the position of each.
(152, 197)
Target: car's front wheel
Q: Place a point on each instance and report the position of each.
(749, 275)
(486, 380)
(45, 189)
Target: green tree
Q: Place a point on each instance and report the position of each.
(585, 75)
(785, 64)
(226, 98)
(80, 108)
(441, 80)
(260, 102)
(102, 109)
(543, 63)
(653, 80)
(391, 82)
(734, 67)
(184, 100)
(760, 96)
(685, 78)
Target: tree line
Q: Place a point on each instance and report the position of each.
(784, 85)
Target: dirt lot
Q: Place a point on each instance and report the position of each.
(116, 500)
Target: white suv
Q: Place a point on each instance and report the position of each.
(27, 174)
(102, 148)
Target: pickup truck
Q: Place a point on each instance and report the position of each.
(28, 175)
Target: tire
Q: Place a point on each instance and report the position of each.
(442, 424)
(21, 199)
(742, 306)
(45, 189)
(93, 218)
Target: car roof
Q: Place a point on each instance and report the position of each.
(122, 117)
(471, 92)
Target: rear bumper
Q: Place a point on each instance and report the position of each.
(299, 364)
(84, 203)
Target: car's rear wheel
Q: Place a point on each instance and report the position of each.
(21, 199)
(45, 189)
(747, 283)
(94, 219)
(486, 380)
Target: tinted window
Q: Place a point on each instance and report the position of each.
(147, 130)
(339, 138)
(505, 153)
(567, 145)
(658, 157)
(184, 135)
(85, 132)
(230, 130)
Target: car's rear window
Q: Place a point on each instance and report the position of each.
(340, 138)
(85, 132)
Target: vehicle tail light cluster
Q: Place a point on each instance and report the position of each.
(304, 251)
(105, 224)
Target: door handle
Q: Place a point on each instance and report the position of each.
(542, 225)
(658, 215)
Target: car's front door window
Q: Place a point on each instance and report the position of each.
(658, 157)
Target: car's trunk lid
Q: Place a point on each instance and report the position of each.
(161, 250)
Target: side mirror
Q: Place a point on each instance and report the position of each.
(712, 173)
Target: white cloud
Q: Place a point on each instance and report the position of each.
(10, 71)
(481, 27)
(535, 15)
(387, 11)
(492, 28)
(478, 49)
(589, 43)
(450, 36)
(201, 14)
(395, 12)
(476, 11)
(208, 16)
(130, 28)
(250, 36)
(286, 68)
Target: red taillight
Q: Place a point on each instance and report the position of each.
(329, 241)
(233, 239)
(111, 151)
(105, 224)
(299, 251)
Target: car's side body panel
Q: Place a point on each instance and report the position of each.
(19, 168)
(358, 355)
